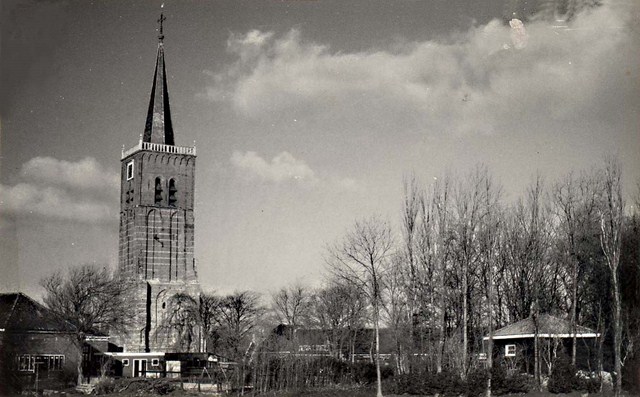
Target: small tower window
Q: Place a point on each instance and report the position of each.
(158, 192)
(130, 170)
(173, 193)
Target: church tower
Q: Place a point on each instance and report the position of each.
(156, 248)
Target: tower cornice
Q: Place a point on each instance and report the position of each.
(160, 148)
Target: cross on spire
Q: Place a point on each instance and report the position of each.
(160, 21)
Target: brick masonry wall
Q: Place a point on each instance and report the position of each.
(156, 246)
(38, 343)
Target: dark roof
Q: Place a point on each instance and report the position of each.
(19, 313)
(548, 326)
(159, 128)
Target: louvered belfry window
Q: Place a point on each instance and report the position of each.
(158, 192)
(173, 193)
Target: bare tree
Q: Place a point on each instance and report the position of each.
(182, 320)
(611, 221)
(575, 202)
(359, 259)
(339, 310)
(193, 319)
(436, 251)
(238, 315)
(92, 299)
(530, 273)
(470, 210)
(489, 249)
(291, 305)
(398, 297)
(410, 229)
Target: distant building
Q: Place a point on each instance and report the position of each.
(515, 343)
(358, 345)
(37, 348)
(157, 223)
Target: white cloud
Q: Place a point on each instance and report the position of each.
(478, 82)
(283, 167)
(57, 189)
(83, 175)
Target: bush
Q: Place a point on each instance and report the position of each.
(163, 387)
(520, 383)
(105, 386)
(143, 386)
(411, 383)
(503, 384)
(450, 384)
(563, 376)
(447, 383)
(477, 382)
(365, 373)
(589, 382)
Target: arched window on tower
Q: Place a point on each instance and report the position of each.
(158, 192)
(173, 193)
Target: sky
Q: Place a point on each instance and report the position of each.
(306, 114)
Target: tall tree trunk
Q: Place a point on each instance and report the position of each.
(465, 318)
(574, 311)
(378, 374)
(600, 344)
(80, 343)
(443, 327)
(617, 332)
(536, 351)
(490, 347)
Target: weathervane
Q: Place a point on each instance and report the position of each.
(160, 21)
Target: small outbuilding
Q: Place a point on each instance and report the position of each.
(515, 343)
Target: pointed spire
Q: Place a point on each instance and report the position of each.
(158, 128)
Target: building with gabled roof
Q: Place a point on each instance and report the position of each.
(548, 326)
(37, 347)
(514, 343)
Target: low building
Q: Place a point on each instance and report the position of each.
(38, 348)
(135, 364)
(515, 343)
(358, 345)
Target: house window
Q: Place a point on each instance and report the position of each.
(155, 362)
(130, 170)
(125, 362)
(510, 351)
(58, 362)
(26, 363)
(158, 192)
(48, 362)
